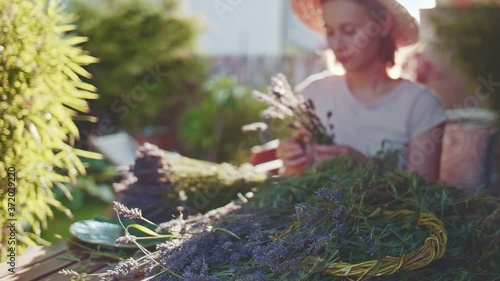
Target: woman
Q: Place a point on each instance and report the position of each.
(365, 109)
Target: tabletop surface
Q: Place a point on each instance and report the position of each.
(44, 263)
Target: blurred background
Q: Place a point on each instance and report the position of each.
(215, 52)
(179, 73)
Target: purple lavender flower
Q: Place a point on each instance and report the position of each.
(124, 270)
(365, 240)
(202, 248)
(134, 213)
(341, 234)
(373, 250)
(125, 239)
(321, 244)
(301, 208)
(336, 179)
(337, 213)
(331, 195)
(70, 273)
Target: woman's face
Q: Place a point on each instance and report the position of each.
(352, 34)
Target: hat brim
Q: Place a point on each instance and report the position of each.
(405, 32)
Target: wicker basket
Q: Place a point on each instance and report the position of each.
(433, 248)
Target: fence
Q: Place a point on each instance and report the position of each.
(255, 71)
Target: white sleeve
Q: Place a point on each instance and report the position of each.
(427, 113)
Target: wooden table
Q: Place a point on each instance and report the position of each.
(44, 263)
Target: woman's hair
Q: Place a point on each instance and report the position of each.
(388, 44)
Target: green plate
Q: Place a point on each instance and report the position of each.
(101, 232)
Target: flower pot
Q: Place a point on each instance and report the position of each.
(265, 153)
(465, 144)
(161, 137)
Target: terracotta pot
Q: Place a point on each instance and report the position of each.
(164, 140)
(264, 153)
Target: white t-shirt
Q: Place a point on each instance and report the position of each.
(392, 120)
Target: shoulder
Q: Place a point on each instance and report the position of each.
(426, 110)
(418, 93)
(317, 82)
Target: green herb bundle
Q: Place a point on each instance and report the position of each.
(164, 184)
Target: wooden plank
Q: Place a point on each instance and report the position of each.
(44, 263)
(40, 270)
(103, 270)
(99, 271)
(85, 266)
(88, 263)
(47, 267)
(38, 255)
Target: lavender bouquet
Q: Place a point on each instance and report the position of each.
(300, 114)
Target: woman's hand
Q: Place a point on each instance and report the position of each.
(294, 157)
(324, 152)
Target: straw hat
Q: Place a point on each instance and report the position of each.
(405, 32)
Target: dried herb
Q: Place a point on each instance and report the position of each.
(300, 114)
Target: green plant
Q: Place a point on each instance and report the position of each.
(40, 95)
(88, 196)
(473, 36)
(147, 70)
(211, 130)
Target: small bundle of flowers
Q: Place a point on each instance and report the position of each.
(164, 185)
(300, 114)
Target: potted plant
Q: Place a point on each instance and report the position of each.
(147, 71)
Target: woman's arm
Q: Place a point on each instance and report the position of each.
(424, 153)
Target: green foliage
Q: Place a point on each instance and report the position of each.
(96, 184)
(212, 129)
(40, 95)
(88, 196)
(473, 36)
(147, 70)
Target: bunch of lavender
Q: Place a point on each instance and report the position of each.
(258, 244)
(211, 242)
(151, 165)
(148, 187)
(285, 104)
(164, 185)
